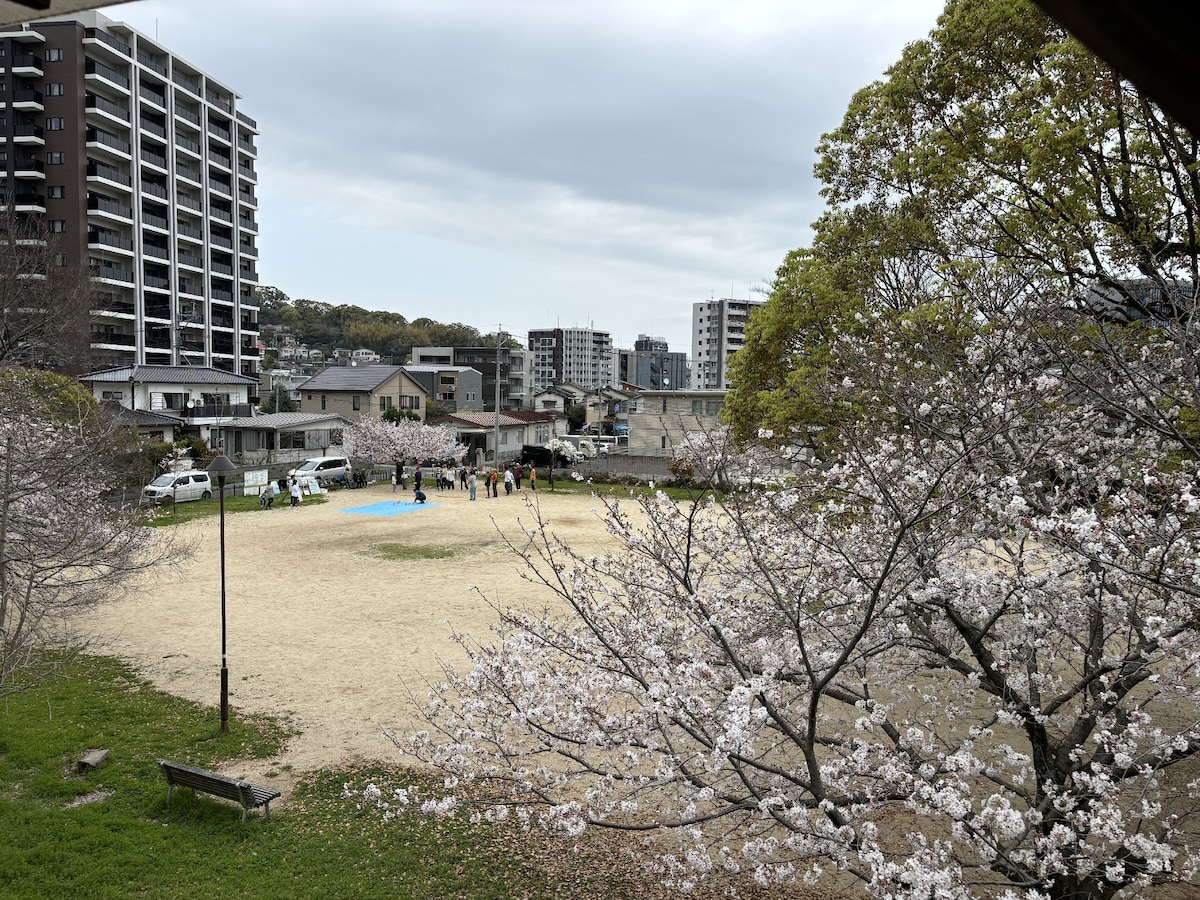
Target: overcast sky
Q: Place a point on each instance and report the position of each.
(535, 163)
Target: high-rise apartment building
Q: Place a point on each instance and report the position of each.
(142, 168)
(718, 331)
(581, 356)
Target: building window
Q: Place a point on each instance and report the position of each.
(57, 226)
(60, 259)
(54, 123)
(357, 402)
(55, 192)
(712, 407)
(54, 89)
(112, 395)
(322, 401)
(385, 403)
(53, 54)
(663, 441)
(54, 158)
(664, 399)
(697, 407)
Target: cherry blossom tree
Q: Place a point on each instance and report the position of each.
(958, 660)
(403, 439)
(64, 545)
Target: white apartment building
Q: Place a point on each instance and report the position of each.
(582, 356)
(718, 332)
(141, 167)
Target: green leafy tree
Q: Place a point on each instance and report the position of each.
(576, 417)
(997, 159)
(394, 415)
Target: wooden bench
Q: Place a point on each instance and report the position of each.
(249, 795)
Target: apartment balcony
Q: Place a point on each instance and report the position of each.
(154, 220)
(223, 214)
(98, 171)
(218, 158)
(187, 144)
(109, 272)
(108, 207)
(221, 269)
(94, 37)
(224, 296)
(157, 282)
(152, 64)
(28, 99)
(248, 275)
(248, 300)
(220, 320)
(218, 241)
(155, 252)
(29, 167)
(191, 260)
(29, 202)
(183, 201)
(247, 146)
(188, 83)
(154, 159)
(106, 338)
(95, 72)
(247, 198)
(103, 142)
(219, 131)
(189, 174)
(247, 223)
(106, 109)
(251, 350)
(107, 240)
(248, 173)
(26, 65)
(152, 95)
(191, 288)
(187, 115)
(246, 249)
(189, 232)
(218, 185)
(29, 133)
(150, 127)
(153, 190)
(219, 102)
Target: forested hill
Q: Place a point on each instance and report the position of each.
(323, 326)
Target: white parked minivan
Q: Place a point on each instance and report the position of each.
(323, 468)
(178, 487)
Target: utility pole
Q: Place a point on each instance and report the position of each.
(496, 455)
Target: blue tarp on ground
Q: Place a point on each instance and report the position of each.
(388, 508)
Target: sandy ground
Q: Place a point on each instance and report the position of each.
(318, 630)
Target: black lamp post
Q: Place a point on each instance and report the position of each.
(219, 468)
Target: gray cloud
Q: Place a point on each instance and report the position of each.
(667, 143)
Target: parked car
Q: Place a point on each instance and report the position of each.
(323, 468)
(178, 487)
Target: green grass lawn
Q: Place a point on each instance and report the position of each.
(129, 843)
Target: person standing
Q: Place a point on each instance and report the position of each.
(509, 479)
(471, 484)
(495, 484)
(294, 490)
(517, 473)
(395, 478)
(533, 478)
(417, 478)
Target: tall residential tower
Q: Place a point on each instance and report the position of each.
(142, 168)
(718, 332)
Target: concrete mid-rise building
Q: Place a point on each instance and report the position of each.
(582, 356)
(651, 365)
(718, 332)
(140, 167)
(515, 391)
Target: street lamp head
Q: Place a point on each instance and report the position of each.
(220, 467)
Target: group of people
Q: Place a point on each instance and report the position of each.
(492, 480)
(290, 486)
(468, 478)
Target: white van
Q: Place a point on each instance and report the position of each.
(323, 468)
(178, 487)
